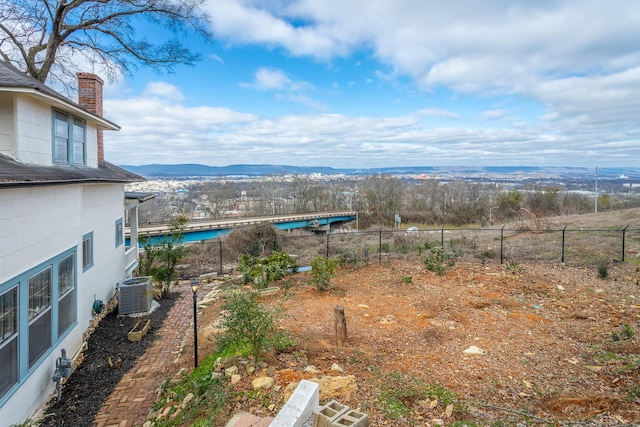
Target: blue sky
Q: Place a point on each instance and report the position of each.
(373, 83)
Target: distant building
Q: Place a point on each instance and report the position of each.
(63, 212)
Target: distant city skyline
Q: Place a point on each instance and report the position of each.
(366, 84)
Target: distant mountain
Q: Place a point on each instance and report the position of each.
(198, 170)
(184, 170)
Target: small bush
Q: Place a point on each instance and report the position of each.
(434, 258)
(322, 270)
(625, 333)
(261, 271)
(514, 268)
(248, 324)
(603, 269)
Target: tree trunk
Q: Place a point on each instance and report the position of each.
(341, 326)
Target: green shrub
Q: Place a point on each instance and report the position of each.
(603, 269)
(250, 325)
(514, 267)
(434, 258)
(262, 271)
(322, 270)
(162, 255)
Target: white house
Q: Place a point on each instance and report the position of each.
(63, 212)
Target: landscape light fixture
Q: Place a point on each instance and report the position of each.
(194, 291)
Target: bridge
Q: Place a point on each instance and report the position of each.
(206, 229)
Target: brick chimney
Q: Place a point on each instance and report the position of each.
(90, 98)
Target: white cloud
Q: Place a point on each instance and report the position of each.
(493, 114)
(274, 79)
(163, 90)
(468, 46)
(216, 58)
(438, 112)
(161, 130)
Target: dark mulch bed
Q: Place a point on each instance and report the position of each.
(93, 381)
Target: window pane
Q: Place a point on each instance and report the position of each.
(65, 275)
(60, 150)
(39, 337)
(8, 314)
(61, 137)
(66, 312)
(66, 294)
(119, 232)
(61, 125)
(87, 252)
(78, 141)
(39, 292)
(8, 365)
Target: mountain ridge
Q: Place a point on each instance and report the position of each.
(254, 170)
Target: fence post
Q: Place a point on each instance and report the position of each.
(502, 244)
(220, 252)
(327, 257)
(624, 233)
(442, 239)
(563, 230)
(380, 248)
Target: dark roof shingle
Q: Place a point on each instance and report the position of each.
(16, 174)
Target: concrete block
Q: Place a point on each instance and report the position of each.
(300, 406)
(352, 419)
(328, 413)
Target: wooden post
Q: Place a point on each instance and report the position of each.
(341, 326)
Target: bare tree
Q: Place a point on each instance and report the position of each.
(45, 38)
(384, 195)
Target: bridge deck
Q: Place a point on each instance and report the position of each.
(207, 224)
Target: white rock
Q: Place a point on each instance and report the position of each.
(262, 383)
(474, 350)
(188, 398)
(311, 369)
(231, 370)
(336, 367)
(235, 378)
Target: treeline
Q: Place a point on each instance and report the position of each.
(379, 200)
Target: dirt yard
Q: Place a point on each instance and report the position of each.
(492, 345)
(553, 344)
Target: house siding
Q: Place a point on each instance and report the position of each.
(34, 131)
(36, 225)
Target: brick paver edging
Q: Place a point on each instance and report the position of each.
(129, 404)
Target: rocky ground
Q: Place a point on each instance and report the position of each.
(539, 344)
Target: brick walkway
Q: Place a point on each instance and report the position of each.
(133, 397)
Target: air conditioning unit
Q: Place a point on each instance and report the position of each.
(135, 295)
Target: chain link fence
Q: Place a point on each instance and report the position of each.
(571, 246)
